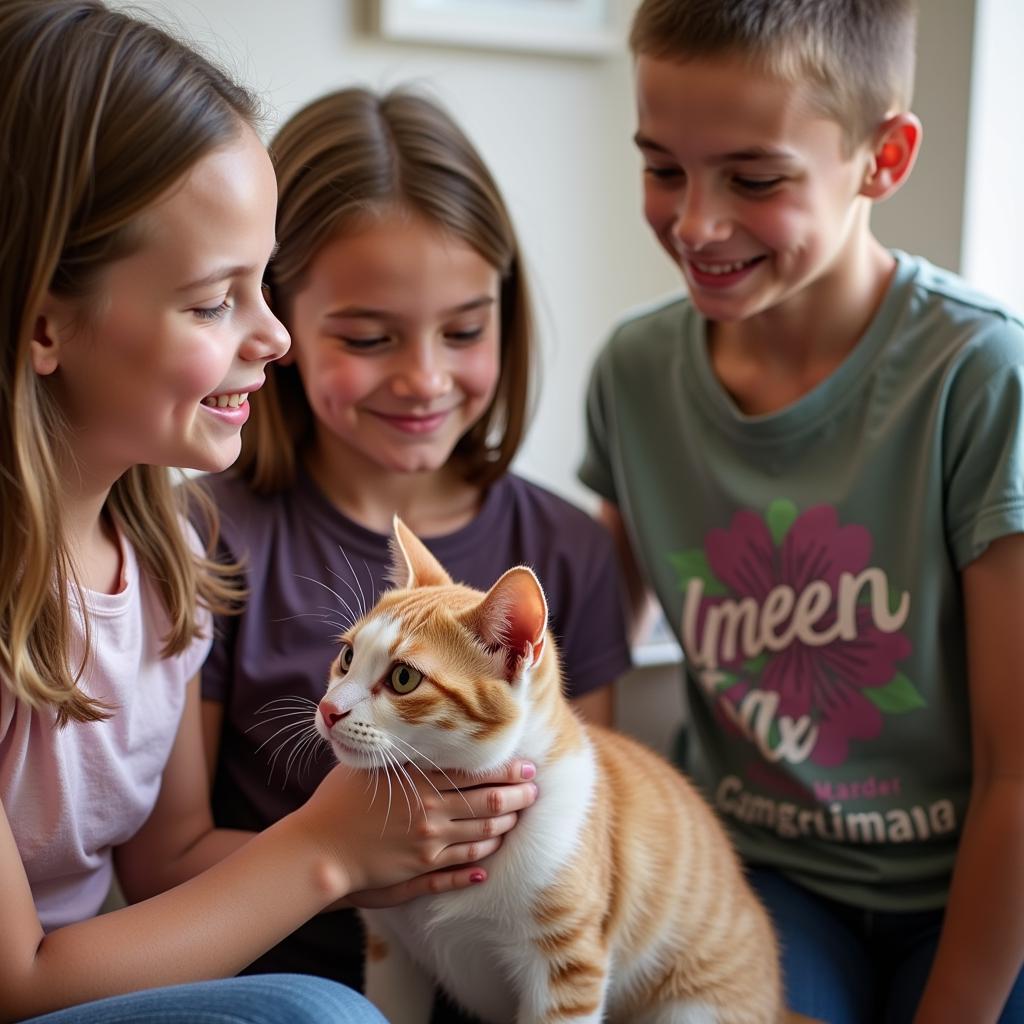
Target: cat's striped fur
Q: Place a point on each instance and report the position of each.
(617, 896)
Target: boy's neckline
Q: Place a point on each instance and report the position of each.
(760, 378)
(810, 410)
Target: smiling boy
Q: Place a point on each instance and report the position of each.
(814, 462)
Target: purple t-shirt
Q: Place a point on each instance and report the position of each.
(296, 543)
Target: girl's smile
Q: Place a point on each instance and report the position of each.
(396, 334)
(161, 373)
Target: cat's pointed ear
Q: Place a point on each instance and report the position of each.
(412, 565)
(512, 616)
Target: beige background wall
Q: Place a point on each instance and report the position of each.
(556, 132)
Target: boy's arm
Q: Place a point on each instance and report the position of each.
(597, 706)
(642, 606)
(981, 949)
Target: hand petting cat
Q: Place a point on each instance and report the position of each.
(427, 845)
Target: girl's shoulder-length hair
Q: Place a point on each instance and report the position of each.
(100, 114)
(353, 154)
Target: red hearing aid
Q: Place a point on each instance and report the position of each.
(889, 155)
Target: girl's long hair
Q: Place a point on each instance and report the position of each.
(100, 114)
(353, 154)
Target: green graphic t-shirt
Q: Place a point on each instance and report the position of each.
(808, 561)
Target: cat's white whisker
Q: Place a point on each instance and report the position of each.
(398, 778)
(375, 775)
(412, 785)
(359, 596)
(373, 583)
(330, 590)
(311, 615)
(302, 715)
(295, 728)
(436, 767)
(291, 701)
(297, 736)
(329, 611)
(315, 749)
(426, 777)
(387, 815)
(303, 744)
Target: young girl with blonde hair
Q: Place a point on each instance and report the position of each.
(138, 212)
(400, 279)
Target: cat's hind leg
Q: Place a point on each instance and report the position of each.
(395, 983)
(563, 986)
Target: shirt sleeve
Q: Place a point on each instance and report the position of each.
(595, 470)
(984, 448)
(195, 654)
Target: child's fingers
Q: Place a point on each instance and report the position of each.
(467, 853)
(432, 883)
(490, 801)
(469, 829)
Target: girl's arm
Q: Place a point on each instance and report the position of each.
(981, 949)
(179, 840)
(212, 713)
(431, 883)
(265, 886)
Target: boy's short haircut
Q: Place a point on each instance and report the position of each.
(858, 55)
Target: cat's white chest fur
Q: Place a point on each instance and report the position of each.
(476, 941)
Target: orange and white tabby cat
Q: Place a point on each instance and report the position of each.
(616, 897)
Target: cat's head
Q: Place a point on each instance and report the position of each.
(435, 673)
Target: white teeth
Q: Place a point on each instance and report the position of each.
(225, 401)
(719, 268)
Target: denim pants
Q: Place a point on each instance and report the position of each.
(843, 965)
(259, 999)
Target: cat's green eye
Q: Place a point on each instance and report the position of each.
(405, 678)
(345, 657)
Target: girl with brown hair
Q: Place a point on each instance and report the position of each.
(406, 391)
(138, 216)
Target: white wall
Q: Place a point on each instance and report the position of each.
(994, 209)
(926, 215)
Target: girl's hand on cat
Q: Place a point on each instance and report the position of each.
(388, 831)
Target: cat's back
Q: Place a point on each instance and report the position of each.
(680, 916)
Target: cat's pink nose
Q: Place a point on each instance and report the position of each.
(331, 712)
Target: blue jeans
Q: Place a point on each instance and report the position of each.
(259, 999)
(848, 966)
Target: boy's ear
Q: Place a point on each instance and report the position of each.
(892, 156)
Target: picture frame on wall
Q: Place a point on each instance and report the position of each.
(569, 27)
